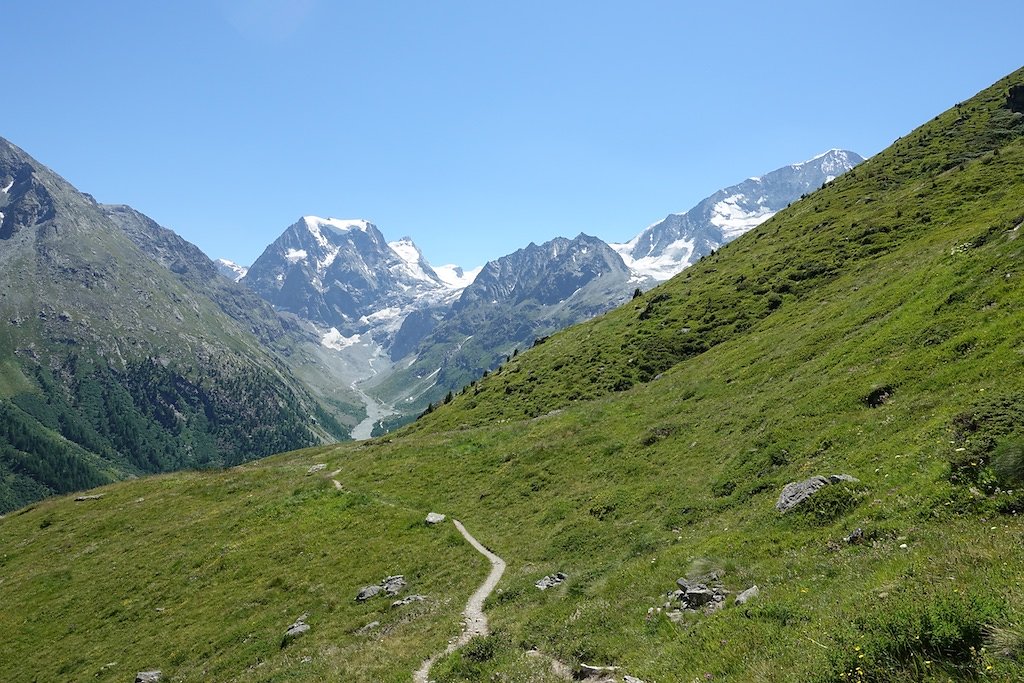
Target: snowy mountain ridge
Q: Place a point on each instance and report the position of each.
(667, 247)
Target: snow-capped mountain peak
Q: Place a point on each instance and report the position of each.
(412, 262)
(667, 247)
(316, 224)
(230, 269)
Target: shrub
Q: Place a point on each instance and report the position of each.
(1008, 462)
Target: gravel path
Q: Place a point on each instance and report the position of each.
(473, 618)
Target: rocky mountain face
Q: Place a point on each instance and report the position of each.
(514, 301)
(119, 355)
(230, 269)
(670, 245)
(343, 274)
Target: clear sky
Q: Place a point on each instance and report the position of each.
(473, 127)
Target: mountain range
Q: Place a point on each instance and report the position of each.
(434, 331)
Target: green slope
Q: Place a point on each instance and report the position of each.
(873, 329)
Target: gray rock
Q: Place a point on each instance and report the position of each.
(631, 679)
(369, 627)
(855, 536)
(97, 496)
(435, 518)
(796, 492)
(317, 468)
(748, 595)
(408, 600)
(393, 584)
(585, 671)
(148, 676)
(698, 596)
(367, 592)
(298, 628)
(551, 580)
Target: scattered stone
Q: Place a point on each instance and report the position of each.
(706, 595)
(369, 627)
(148, 676)
(855, 536)
(435, 518)
(393, 584)
(631, 679)
(307, 660)
(319, 467)
(585, 671)
(367, 592)
(97, 496)
(698, 596)
(796, 492)
(550, 581)
(748, 595)
(409, 600)
(298, 628)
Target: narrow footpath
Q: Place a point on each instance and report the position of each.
(474, 620)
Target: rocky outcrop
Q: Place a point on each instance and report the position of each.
(148, 677)
(796, 492)
(391, 585)
(409, 600)
(297, 629)
(551, 580)
(1015, 99)
(367, 592)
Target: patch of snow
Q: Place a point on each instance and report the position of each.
(295, 255)
(315, 223)
(9, 186)
(337, 341)
(673, 259)
(384, 314)
(412, 260)
(733, 220)
(237, 270)
(834, 162)
(455, 276)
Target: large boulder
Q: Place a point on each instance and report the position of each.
(796, 492)
(367, 592)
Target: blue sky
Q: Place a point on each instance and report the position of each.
(473, 127)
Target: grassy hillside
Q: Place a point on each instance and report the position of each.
(872, 329)
(201, 574)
